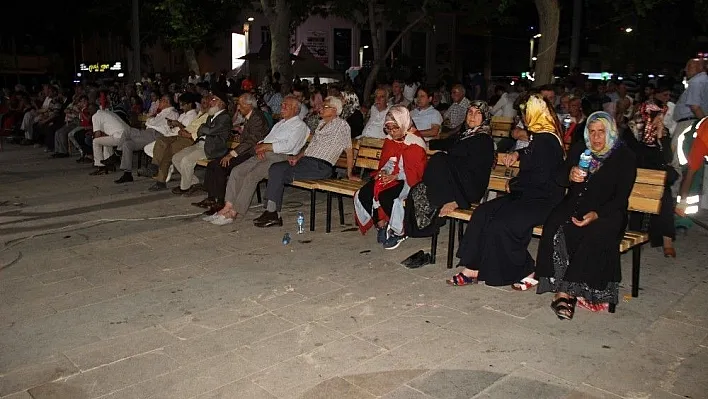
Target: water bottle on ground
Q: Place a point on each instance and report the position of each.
(286, 239)
(300, 223)
(584, 163)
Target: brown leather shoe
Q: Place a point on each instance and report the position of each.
(195, 189)
(178, 191)
(213, 209)
(207, 202)
(669, 253)
(269, 219)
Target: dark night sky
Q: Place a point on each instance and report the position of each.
(52, 27)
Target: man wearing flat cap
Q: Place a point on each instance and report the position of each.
(211, 143)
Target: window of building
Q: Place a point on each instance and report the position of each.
(342, 49)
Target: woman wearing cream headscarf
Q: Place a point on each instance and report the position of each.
(578, 257)
(380, 202)
(493, 248)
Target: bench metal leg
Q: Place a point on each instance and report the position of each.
(313, 198)
(460, 230)
(451, 244)
(340, 203)
(613, 306)
(328, 222)
(636, 262)
(434, 246)
(258, 193)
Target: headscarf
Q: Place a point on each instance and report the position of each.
(399, 115)
(486, 125)
(538, 118)
(642, 125)
(612, 140)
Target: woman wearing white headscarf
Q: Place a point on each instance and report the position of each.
(380, 202)
(578, 257)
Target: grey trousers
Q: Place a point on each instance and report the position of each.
(61, 138)
(185, 161)
(282, 173)
(135, 140)
(71, 136)
(245, 177)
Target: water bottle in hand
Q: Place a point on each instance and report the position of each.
(585, 159)
(300, 223)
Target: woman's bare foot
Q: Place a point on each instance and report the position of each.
(669, 251)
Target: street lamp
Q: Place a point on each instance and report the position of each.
(628, 30)
(361, 55)
(531, 44)
(251, 19)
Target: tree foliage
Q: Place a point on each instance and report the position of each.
(184, 24)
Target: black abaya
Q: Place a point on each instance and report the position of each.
(461, 174)
(593, 250)
(498, 235)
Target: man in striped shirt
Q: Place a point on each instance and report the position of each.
(331, 138)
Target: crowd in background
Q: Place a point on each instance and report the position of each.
(623, 125)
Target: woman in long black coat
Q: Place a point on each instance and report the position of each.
(578, 256)
(494, 247)
(455, 178)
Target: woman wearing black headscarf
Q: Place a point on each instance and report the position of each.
(458, 177)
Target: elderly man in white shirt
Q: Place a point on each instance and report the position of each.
(505, 105)
(108, 132)
(287, 137)
(377, 114)
(137, 139)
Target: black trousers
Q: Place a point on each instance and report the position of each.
(217, 176)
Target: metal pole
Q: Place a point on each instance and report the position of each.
(575, 40)
(135, 40)
(531, 41)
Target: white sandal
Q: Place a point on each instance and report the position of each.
(525, 284)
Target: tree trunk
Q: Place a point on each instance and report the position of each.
(549, 23)
(376, 49)
(380, 58)
(191, 56)
(278, 14)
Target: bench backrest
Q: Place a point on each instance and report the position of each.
(342, 161)
(646, 193)
(501, 126)
(369, 153)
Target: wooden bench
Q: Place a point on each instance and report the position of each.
(501, 126)
(368, 154)
(313, 186)
(645, 198)
(368, 158)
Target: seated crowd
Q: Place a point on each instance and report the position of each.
(435, 158)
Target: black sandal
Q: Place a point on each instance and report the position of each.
(564, 307)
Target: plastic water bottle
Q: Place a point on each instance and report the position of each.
(566, 122)
(286, 239)
(584, 163)
(300, 223)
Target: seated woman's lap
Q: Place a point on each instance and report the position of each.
(519, 216)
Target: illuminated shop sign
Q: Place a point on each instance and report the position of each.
(101, 67)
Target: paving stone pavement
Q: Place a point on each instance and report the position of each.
(172, 307)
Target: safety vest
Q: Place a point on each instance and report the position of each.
(683, 149)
